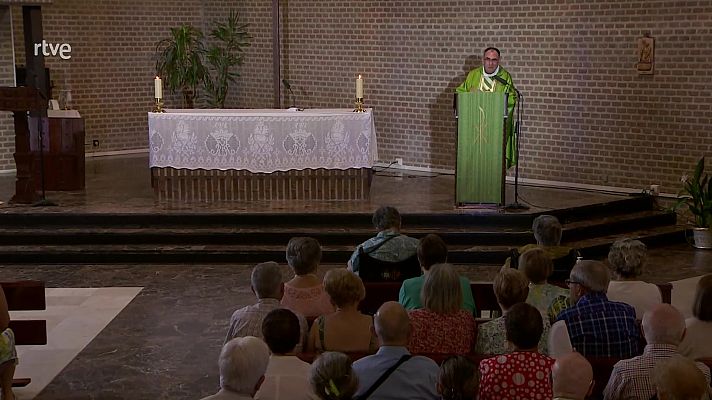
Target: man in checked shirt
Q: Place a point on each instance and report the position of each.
(598, 327)
(663, 327)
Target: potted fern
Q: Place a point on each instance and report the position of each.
(223, 56)
(185, 61)
(180, 62)
(696, 194)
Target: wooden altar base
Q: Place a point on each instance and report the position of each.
(170, 184)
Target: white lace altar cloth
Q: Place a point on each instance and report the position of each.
(262, 140)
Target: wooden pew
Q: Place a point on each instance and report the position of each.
(26, 296)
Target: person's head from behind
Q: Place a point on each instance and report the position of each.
(387, 218)
(303, 255)
(344, 287)
(536, 265)
(627, 257)
(510, 287)
(490, 59)
(280, 329)
(266, 281)
(588, 276)
(441, 291)
(678, 378)
(524, 326)
(572, 377)
(331, 377)
(702, 307)
(243, 362)
(431, 250)
(458, 379)
(663, 324)
(547, 230)
(392, 324)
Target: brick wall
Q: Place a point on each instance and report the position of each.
(590, 118)
(112, 67)
(7, 78)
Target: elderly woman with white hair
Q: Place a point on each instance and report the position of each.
(442, 326)
(243, 362)
(627, 260)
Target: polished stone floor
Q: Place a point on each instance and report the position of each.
(164, 344)
(123, 184)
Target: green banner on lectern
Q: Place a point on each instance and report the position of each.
(480, 148)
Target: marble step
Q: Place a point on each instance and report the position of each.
(452, 218)
(328, 235)
(243, 253)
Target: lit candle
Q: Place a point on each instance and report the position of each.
(359, 87)
(158, 88)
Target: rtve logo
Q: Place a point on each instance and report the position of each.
(49, 49)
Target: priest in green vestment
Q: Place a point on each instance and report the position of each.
(482, 79)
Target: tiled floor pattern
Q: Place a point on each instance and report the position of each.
(75, 316)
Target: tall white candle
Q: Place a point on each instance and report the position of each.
(359, 87)
(158, 86)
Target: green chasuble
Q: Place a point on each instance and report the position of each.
(476, 81)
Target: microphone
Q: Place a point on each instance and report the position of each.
(287, 85)
(499, 79)
(502, 81)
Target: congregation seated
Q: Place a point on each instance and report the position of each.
(347, 329)
(663, 327)
(442, 326)
(598, 327)
(242, 363)
(408, 377)
(537, 267)
(305, 294)
(510, 287)
(286, 375)
(547, 233)
(332, 378)
(627, 259)
(696, 343)
(431, 250)
(266, 284)
(524, 373)
(8, 354)
(678, 378)
(572, 377)
(389, 245)
(458, 379)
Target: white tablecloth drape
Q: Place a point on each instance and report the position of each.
(262, 140)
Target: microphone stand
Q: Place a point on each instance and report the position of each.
(517, 126)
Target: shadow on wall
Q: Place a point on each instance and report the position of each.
(442, 113)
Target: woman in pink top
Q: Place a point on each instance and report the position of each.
(442, 326)
(305, 293)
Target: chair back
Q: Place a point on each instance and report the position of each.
(375, 270)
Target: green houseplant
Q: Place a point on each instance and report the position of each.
(180, 62)
(696, 194)
(229, 42)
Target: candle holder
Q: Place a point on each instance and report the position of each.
(158, 106)
(359, 105)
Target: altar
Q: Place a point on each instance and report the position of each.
(224, 155)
